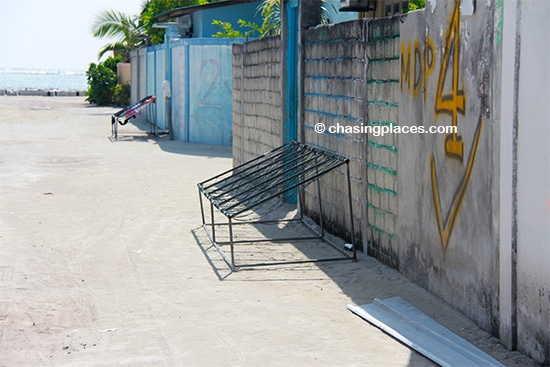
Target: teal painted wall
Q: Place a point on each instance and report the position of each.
(201, 83)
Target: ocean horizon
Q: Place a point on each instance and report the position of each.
(14, 79)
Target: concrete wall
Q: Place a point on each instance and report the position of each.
(334, 93)
(533, 255)
(257, 113)
(383, 100)
(447, 209)
(123, 72)
(530, 163)
(464, 215)
(138, 73)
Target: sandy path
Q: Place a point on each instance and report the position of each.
(101, 262)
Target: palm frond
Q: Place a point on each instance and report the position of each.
(114, 24)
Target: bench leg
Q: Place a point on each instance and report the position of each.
(231, 244)
(213, 225)
(351, 214)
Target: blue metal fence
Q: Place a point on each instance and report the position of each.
(201, 81)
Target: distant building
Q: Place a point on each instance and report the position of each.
(196, 21)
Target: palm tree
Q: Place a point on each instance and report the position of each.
(271, 14)
(270, 11)
(124, 29)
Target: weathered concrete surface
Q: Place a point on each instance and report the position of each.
(447, 212)
(533, 181)
(101, 262)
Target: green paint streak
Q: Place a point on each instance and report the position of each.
(379, 210)
(382, 168)
(380, 230)
(499, 13)
(384, 38)
(381, 189)
(391, 148)
(383, 81)
(383, 59)
(383, 103)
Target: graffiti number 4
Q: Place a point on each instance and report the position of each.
(454, 102)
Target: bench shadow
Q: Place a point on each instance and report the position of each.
(139, 130)
(297, 250)
(362, 281)
(264, 251)
(216, 262)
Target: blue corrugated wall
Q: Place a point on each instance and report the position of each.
(201, 82)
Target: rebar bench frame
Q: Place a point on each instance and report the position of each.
(280, 171)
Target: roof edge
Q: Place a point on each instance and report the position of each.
(178, 12)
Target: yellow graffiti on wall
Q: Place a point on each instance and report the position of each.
(446, 227)
(417, 64)
(406, 66)
(454, 102)
(429, 59)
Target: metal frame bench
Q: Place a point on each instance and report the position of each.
(279, 172)
(123, 116)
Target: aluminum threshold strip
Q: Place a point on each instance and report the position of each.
(412, 327)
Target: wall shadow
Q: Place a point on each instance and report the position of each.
(138, 130)
(361, 281)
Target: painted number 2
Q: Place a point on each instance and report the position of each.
(203, 101)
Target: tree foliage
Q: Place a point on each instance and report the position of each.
(154, 8)
(417, 4)
(102, 81)
(130, 32)
(123, 29)
(121, 94)
(226, 30)
(270, 11)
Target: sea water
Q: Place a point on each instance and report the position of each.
(43, 79)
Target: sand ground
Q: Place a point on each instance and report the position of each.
(103, 262)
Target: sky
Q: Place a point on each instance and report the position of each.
(53, 34)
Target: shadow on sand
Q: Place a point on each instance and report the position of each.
(141, 132)
(361, 281)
